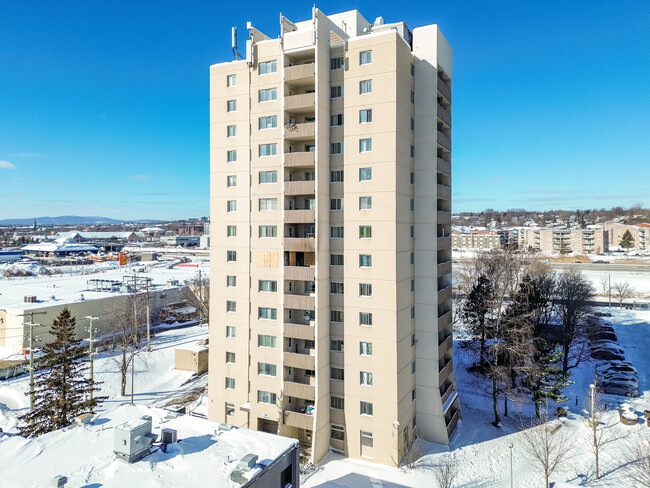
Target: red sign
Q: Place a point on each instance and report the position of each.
(122, 259)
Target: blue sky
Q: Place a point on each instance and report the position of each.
(104, 105)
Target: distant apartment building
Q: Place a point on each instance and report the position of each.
(640, 234)
(470, 238)
(564, 241)
(330, 237)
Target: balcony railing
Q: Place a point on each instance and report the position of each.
(304, 102)
(444, 89)
(299, 244)
(444, 114)
(299, 187)
(300, 131)
(444, 320)
(300, 273)
(299, 302)
(299, 420)
(447, 393)
(444, 268)
(444, 192)
(299, 331)
(300, 390)
(306, 216)
(445, 346)
(444, 166)
(299, 159)
(444, 217)
(299, 72)
(452, 422)
(297, 360)
(444, 294)
(444, 140)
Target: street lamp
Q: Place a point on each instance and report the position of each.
(511, 446)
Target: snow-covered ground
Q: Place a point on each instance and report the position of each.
(481, 451)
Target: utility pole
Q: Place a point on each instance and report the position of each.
(90, 351)
(134, 330)
(200, 299)
(148, 320)
(31, 355)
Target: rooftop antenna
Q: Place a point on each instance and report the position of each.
(234, 44)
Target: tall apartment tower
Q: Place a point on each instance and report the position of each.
(330, 174)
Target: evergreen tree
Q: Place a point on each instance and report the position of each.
(475, 310)
(61, 391)
(627, 241)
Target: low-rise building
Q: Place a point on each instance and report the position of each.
(475, 238)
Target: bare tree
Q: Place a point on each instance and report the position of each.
(198, 296)
(604, 285)
(638, 466)
(126, 326)
(623, 291)
(547, 445)
(573, 294)
(445, 472)
(601, 432)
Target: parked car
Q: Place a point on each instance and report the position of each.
(621, 378)
(623, 366)
(604, 344)
(603, 335)
(606, 355)
(615, 388)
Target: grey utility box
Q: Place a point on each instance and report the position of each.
(133, 439)
(168, 436)
(247, 462)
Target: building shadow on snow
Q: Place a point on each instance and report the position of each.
(354, 480)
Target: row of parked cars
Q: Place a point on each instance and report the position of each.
(617, 376)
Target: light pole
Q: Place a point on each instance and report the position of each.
(90, 351)
(31, 355)
(511, 446)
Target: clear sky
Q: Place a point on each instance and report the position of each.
(104, 106)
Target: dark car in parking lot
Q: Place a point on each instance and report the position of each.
(602, 335)
(606, 354)
(617, 388)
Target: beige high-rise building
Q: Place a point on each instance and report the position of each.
(330, 237)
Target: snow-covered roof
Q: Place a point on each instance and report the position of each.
(61, 246)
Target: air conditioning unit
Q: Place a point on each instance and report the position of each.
(30, 299)
(247, 462)
(168, 436)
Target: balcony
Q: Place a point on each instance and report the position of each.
(444, 89)
(299, 331)
(444, 192)
(297, 360)
(444, 114)
(305, 131)
(302, 159)
(447, 393)
(300, 302)
(444, 166)
(445, 346)
(303, 103)
(451, 425)
(444, 294)
(306, 391)
(299, 216)
(444, 217)
(444, 140)
(444, 268)
(303, 73)
(299, 187)
(300, 273)
(299, 420)
(444, 320)
(299, 244)
(443, 243)
(445, 371)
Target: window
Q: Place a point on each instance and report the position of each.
(365, 174)
(412, 312)
(231, 180)
(337, 403)
(231, 281)
(266, 68)
(269, 122)
(365, 203)
(412, 123)
(230, 383)
(412, 285)
(336, 259)
(413, 69)
(413, 423)
(365, 145)
(336, 120)
(231, 206)
(231, 130)
(412, 340)
(268, 286)
(231, 105)
(365, 87)
(412, 178)
(231, 306)
(230, 357)
(365, 348)
(267, 204)
(231, 156)
(268, 177)
(231, 331)
(266, 397)
(268, 95)
(412, 256)
(413, 367)
(231, 231)
(365, 289)
(268, 231)
(336, 373)
(336, 316)
(268, 150)
(366, 408)
(336, 288)
(267, 313)
(412, 205)
(365, 116)
(336, 232)
(365, 378)
(412, 151)
(413, 395)
(365, 260)
(365, 318)
(231, 256)
(337, 63)
(266, 369)
(230, 409)
(365, 232)
(412, 96)
(336, 91)
(336, 345)
(336, 204)
(336, 148)
(366, 439)
(231, 80)
(310, 175)
(365, 57)
(337, 432)
(336, 176)
(412, 231)
(266, 341)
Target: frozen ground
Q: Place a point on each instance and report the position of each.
(481, 450)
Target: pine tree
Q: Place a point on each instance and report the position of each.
(627, 241)
(61, 391)
(475, 310)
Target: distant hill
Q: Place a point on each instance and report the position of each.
(63, 220)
